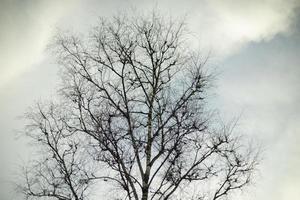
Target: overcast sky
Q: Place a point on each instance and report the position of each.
(255, 45)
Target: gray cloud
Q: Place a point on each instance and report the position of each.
(221, 26)
(258, 77)
(26, 27)
(263, 82)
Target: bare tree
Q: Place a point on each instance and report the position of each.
(62, 171)
(133, 102)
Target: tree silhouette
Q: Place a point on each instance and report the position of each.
(132, 113)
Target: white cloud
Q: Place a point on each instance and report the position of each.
(226, 26)
(26, 27)
(220, 26)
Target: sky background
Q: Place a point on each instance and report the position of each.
(255, 46)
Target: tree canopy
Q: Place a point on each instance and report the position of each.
(132, 115)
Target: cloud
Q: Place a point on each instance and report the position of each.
(226, 26)
(26, 27)
(220, 26)
(266, 89)
(263, 82)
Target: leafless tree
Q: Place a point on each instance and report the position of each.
(133, 101)
(62, 171)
